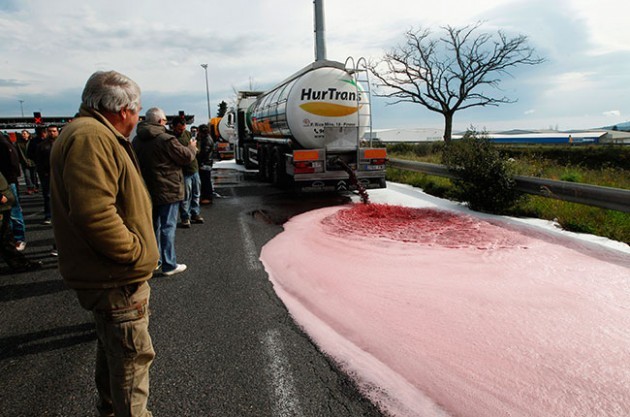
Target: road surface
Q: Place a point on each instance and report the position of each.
(225, 343)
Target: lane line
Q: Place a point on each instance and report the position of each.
(285, 401)
(251, 254)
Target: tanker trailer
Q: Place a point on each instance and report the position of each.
(222, 132)
(307, 131)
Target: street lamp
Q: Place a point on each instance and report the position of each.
(205, 68)
(21, 107)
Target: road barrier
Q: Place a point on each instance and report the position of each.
(592, 195)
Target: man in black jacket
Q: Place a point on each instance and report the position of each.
(206, 147)
(42, 159)
(161, 157)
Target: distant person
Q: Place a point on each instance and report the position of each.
(206, 150)
(31, 150)
(189, 210)
(104, 233)
(28, 165)
(15, 259)
(42, 159)
(161, 157)
(10, 169)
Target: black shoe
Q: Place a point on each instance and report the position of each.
(28, 266)
(185, 224)
(196, 219)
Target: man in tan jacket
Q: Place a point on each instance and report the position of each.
(104, 234)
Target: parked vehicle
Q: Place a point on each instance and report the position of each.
(307, 131)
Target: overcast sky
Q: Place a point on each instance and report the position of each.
(48, 49)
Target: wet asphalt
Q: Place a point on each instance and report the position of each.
(225, 344)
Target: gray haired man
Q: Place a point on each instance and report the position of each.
(104, 235)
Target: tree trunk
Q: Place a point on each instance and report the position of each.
(448, 127)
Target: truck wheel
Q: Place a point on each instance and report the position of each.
(263, 163)
(246, 160)
(278, 168)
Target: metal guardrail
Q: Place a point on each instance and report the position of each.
(592, 195)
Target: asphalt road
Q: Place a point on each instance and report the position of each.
(225, 343)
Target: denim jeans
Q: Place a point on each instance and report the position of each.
(124, 348)
(17, 218)
(30, 177)
(164, 225)
(190, 205)
(8, 252)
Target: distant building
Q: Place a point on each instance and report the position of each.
(581, 137)
(406, 135)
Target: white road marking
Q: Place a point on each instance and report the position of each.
(285, 401)
(251, 254)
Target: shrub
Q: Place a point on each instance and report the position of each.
(484, 178)
(571, 176)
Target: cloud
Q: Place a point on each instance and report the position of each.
(9, 5)
(50, 48)
(612, 113)
(12, 83)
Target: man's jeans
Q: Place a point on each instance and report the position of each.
(30, 177)
(190, 205)
(164, 225)
(124, 349)
(17, 218)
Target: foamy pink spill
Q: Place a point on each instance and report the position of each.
(505, 325)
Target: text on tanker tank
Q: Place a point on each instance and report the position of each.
(329, 94)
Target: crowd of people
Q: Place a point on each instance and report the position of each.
(28, 159)
(113, 200)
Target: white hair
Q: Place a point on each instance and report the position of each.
(154, 115)
(111, 91)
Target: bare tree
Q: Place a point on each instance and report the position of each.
(448, 73)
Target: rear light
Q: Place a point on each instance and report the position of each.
(308, 161)
(377, 153)
(373, 159)
(303, 167)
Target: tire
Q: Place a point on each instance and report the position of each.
(248, 162)
(279, 175)
(264, 163)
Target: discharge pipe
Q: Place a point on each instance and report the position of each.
(365, 198)
(320, 42)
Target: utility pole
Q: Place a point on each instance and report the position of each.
(320, 41)
(21, 107)
(205, 68)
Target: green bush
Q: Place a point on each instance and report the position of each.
(484, 178)
(571, 176)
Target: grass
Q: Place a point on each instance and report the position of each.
(570, 216)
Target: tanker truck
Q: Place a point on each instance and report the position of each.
(307, 131)
(223, 134)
